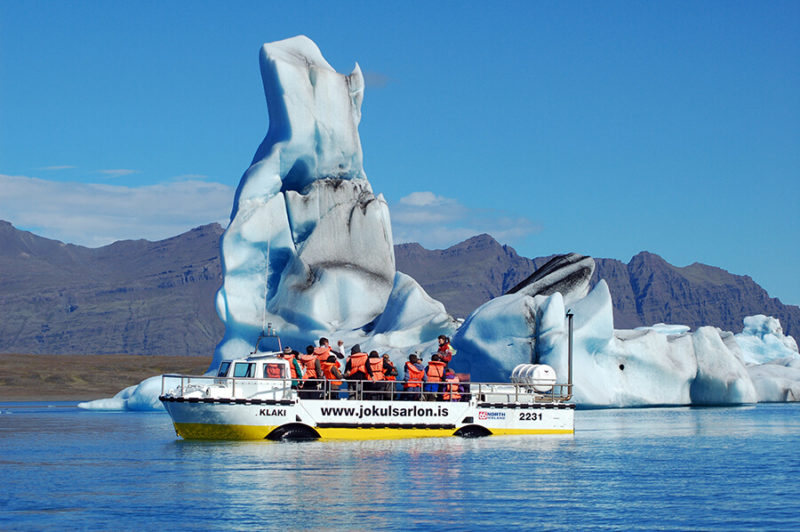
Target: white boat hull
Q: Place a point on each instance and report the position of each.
(257, 419)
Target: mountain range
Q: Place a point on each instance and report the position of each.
(142, 297)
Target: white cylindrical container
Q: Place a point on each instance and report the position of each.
(541, 376)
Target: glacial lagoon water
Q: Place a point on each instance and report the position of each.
(665, 468)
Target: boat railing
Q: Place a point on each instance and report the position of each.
(203, 387)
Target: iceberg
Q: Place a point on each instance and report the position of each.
(309, 248)
(309, 252)
(649, 366)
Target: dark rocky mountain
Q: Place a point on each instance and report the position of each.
(135, 297)
(466, 275)
(649, 290)
(142, 297)
(645, 291)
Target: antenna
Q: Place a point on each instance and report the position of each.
(266, 281)
(569, 354)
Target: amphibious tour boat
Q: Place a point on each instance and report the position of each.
(255, 398)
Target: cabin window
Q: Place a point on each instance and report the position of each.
(243, 369)
(273, 370)
(223, 369)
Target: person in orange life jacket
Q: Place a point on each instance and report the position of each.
(313, 372)
(389, 371)
(452, 388)
(356, 368)
(390, 375)
(435, 374)
(330, 368)
(376, 384)
(323, 351)
(413, 376)
(446, 351)
(295, 369)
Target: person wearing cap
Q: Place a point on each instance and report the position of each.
(294, 366)
(414, 376)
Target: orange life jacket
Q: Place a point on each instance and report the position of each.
(273, 370)
(327, 369)
(377, 368)
(414, 376)
(322, 353)
(436, 371)
(451, 389)
(290, 358)
(389, 376)
(310, 363)
(446, 353)
(358, 363)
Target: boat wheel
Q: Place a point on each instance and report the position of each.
(293, 432)
(473, 431)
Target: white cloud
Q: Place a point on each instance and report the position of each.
(438, 222)
(58, 167)
(97, 214)
(119, 172)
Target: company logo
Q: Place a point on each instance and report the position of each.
(482, 414)
(384, 411)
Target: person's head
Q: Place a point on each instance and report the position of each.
(413, 358)
(435, 357)
(323, 342)
(443, 339)
(287, 350)
(355, 349)
(450, 372)
(374, 354)
(386, 357)
(331, 358)
(309, 349)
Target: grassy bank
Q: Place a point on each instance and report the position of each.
(84, 377)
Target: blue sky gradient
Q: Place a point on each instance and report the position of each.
(605, 128)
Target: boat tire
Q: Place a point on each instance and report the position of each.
(293, 432)
(473, 431)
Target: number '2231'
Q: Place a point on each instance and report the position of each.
(530, 416)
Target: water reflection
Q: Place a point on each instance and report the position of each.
(636, 468)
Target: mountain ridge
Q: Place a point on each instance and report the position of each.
(145, 297)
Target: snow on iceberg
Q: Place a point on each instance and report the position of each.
(762, 340)
(139, 397)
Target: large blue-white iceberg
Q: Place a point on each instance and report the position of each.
(309, 247)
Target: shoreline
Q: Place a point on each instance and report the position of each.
(76, 378)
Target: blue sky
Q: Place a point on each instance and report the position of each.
(605, 128)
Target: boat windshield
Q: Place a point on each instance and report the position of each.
(223, 369)
(244, 369)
